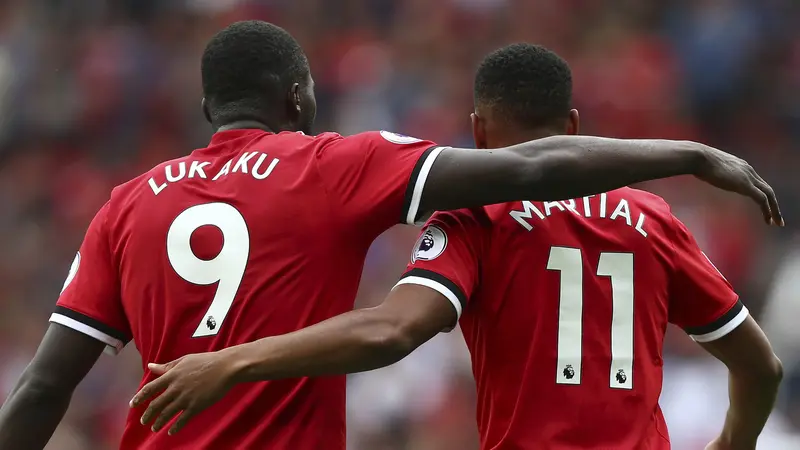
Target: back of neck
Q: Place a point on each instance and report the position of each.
(244, 125)
(514, 136)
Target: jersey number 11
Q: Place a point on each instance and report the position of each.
(619, 268)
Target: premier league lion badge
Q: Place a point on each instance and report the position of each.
(430, 244)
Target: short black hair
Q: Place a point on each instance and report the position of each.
(248, 68)
(525, 84)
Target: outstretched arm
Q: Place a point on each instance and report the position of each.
(356, 341)
(40, 399)
(564, 167)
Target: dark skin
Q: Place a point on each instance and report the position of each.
(553, 168)
(372, 338)
(41, 397)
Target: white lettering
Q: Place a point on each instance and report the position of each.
(622, 210)
(570, 205)
(529, 210)
(548, 206)
(197, 168)
(242, 163)
(181, 172)
(587, 209)
(603, 198)
(543, 210)
(261, 176)
(156, 189)
(640, 225)
(224, 171)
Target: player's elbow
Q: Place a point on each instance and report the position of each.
(773, 370)
(389, 341)
(395, 343)
(36, 385)
(540, 174)
(768, 371)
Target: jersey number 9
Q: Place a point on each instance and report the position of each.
(227, 268)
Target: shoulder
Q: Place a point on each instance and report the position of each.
(125, 195)
(371, 140)
(377, 136)
(463, 227)
(301, 137)
(478, 216)
(126, 189)
(659, 215)
(468, 223)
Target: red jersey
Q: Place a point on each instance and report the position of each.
(565, 306)
(235, 242)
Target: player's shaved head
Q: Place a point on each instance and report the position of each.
(524, 87)
(525, 83)
(254, 70)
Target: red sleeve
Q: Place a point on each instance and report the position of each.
(702, 302)
(377, 176)
(90, 299)
(446, 257)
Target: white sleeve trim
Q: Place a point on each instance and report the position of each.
(722, 331)
(113, 344)
(419, 185)
(436, 286)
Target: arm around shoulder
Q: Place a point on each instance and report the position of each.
(564, 167)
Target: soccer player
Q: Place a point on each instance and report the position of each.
(563, 304)
(265, 232)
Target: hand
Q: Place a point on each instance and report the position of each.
(734, 174)
(186, 386)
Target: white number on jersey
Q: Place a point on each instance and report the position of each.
(227, 267)
(619, 268)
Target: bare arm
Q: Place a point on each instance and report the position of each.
(40, 399)
(356, 341)
(755, 375)
(564, 167)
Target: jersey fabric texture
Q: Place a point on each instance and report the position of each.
(564, 307)
(256, 235)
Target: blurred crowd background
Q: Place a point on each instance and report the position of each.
(94, 92)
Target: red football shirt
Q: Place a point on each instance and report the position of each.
(235, 242)
(565, 305)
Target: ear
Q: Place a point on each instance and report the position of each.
(206, 112)
(294, 99)
(478, 131)
(574, 122)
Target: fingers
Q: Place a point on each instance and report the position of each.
(169, 411)
(158, 369)
(763, 202)
(765, 196)
(184, 418)
(155, 386)
(772, 200)
(156, 406)
(164, 407)
(150, 390)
